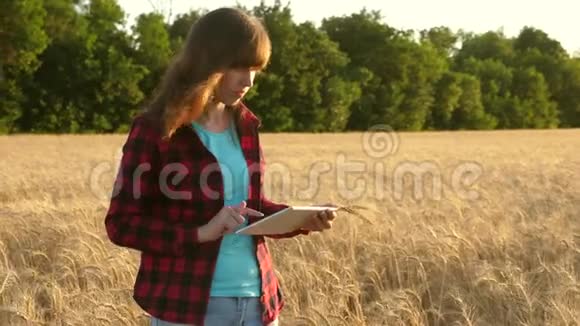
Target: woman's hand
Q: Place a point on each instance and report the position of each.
(321, 220)
(226, 221)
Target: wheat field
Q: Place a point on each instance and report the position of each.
(492, 237)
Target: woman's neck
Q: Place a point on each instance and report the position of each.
(216, 117)
(215, 113)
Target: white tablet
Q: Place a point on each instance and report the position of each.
(287, 220)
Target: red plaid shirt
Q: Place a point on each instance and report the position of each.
(165, 191)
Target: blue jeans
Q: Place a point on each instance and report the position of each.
(228, 311)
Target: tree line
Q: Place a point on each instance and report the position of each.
(73, 66)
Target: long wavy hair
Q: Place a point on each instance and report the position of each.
(222, 39)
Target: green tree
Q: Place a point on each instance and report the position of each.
(442, 39)
(363, 38)
(87, 81)
(72, 66)
(306, 85)
(322, 95)
(569, 100)
(447, 94)
(496, 80)
(152, 48)
(547, 56)
(532, 107)
(489, 45)
(268, 97)
(180, 27)
(22, 38)
(459, 104)
(112, 69)
(399, 89)
(470, 113)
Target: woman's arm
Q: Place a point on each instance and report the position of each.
(129, 222)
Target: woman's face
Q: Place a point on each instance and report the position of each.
(235, 84)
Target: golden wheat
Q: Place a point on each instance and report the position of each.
(396, 256)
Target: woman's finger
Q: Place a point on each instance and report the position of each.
(323, 217)
(250, 211)
(236, 217)
(231, 225)
(331, 215)
(318, 222)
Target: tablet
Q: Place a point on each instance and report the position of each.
(287, 220)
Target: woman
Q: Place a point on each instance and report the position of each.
(192, 173)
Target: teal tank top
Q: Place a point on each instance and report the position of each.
(237, 272)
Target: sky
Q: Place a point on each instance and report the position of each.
(558, 18)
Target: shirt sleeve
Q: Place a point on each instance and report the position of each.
(129, 221)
